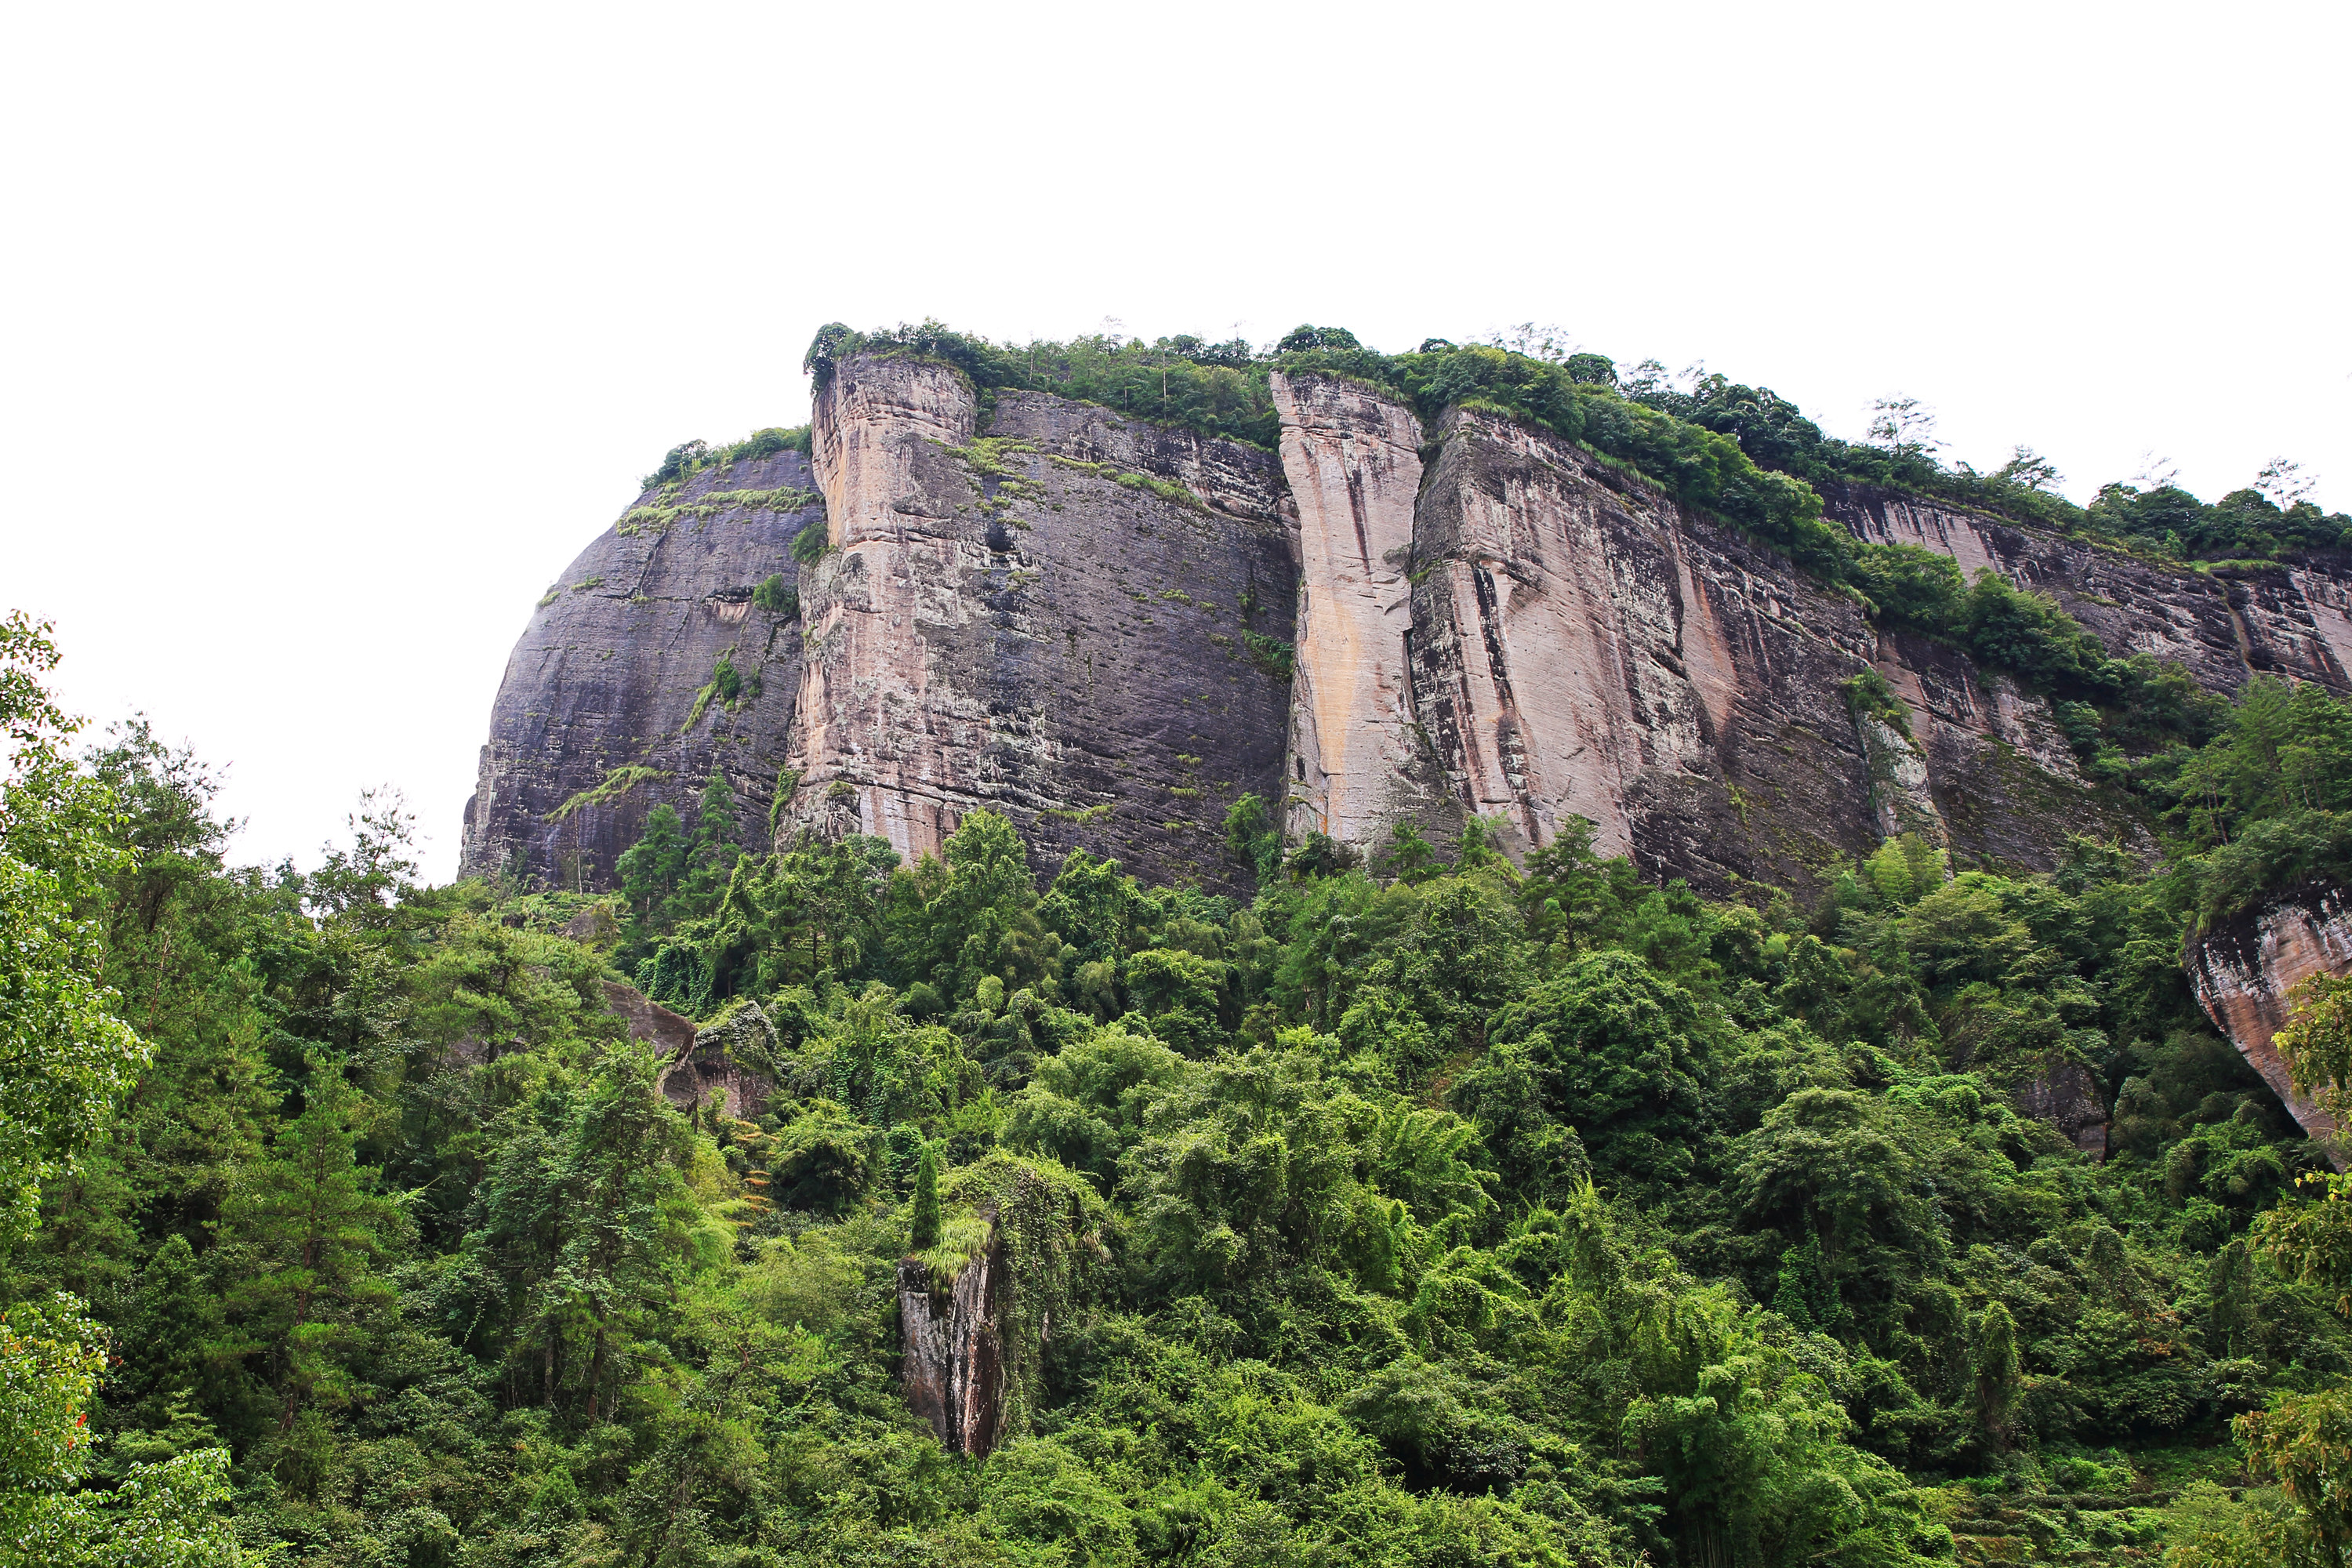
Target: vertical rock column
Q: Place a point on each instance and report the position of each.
(883, 736)
(953, 1345)
(1354, 462)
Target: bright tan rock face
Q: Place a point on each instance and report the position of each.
(1353, 463)
(2243, 972)
(880, 736)
(1583, 646)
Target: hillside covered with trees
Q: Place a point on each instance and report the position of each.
(1415, 1212)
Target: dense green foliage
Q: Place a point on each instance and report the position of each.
(70, 839)
(1219, 389)
(691, 457)
(1427, 1211)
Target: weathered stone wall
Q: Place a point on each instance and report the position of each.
(1585, 645)
(2243, 969)
(1353, 461)
(1047, 622)
(606, 673)
(2222, 626)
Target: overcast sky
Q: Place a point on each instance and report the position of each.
(330, 334)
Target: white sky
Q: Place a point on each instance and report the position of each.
(330, 334)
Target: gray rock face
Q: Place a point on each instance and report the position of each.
(606, 673)
(953, 1367)
(1050, 623)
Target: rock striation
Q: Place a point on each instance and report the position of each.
(1357, 765)
(1110, 630)
(2221, 626)
(2244, 971)
(1054, 621)
(606, 673)
(952, 1364)
(1578, 643)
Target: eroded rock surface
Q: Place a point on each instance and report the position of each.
(2243, 969)
(953, 1368)
(2222, 626)
(605, 675)
(734, 1058)
(1357, 763)
(1584, 646)
(1048, 623)
(1075, 619)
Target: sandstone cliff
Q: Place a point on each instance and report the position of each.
(1078, 619)
(605, 676)
(2220, 626)
(1357, 763)
(2243, 969)
(1053, 622)
(1576, 643)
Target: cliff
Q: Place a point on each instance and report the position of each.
(1053, 622)
(1577, 643)
(606, 673)
(2242, 970)
(1357, 765)
(2221, 625)
(1078, 619)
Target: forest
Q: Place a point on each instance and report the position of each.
(1428, 1210)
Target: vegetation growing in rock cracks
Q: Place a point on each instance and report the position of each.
(1444, 1210)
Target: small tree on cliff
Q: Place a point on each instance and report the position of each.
(926, 1226)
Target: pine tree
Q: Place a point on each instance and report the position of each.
(926, 1226)
(306, 1228)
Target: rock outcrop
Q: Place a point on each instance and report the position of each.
(2243, 969)
(2221, 625)
(1053, 622)
(1077, 619)
(649, 1022)
(606, 675)
(952, 1364)
(734, 1058)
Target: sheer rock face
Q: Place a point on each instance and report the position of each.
(1584, 646)
(1047, 623)
(1050, 621)
(2243, 969)
(2220, 627)
(954, 1366)
(1353, 461)
(606, 673)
